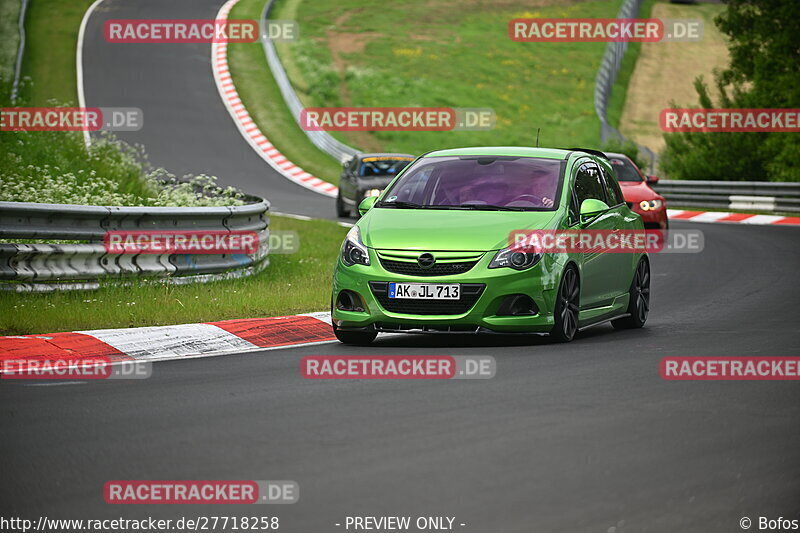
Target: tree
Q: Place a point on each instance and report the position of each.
(763, 73)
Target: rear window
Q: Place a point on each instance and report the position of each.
(625, 170)
(383, 166)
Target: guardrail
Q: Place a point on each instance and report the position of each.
(321, 139)
(737, 195)
(85, 265)
(607, 75)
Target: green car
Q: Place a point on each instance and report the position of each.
(431, 254)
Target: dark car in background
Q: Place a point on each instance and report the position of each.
(639, 196)
(367, 175)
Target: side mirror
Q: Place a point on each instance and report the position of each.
(652, 180)
(366, 204)
(591, 208)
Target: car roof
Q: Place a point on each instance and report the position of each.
(512, 151)
(385, 154)
(618, 156)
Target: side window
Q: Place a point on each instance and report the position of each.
(613, 192)
(588, 183)
(354, 165)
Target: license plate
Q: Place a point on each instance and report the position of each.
(425, 291)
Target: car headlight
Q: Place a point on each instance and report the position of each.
(353, 250)
(511, 258)
(649, 205)
(372, 192)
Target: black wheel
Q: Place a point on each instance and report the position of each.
(341, 210)
(355, 338)
(567, 306)
(639, 301)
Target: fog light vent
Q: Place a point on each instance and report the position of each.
(518, 305)
(349, 301)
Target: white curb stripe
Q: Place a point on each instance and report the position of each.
(241, 118)
(739, 218)
(158, 342)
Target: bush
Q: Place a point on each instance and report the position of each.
(56, 167)
(764, 39)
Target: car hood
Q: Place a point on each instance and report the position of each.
(636, 191)
(430, 229)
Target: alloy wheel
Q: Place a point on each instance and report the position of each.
(569, 303)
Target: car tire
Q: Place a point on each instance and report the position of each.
(639, 298)
(341, 210)
(355, 338)
(567, 306)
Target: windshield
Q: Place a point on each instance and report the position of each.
(485, 182)
(625, 170)
(383, 166)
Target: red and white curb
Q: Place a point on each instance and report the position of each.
(737, 218)
(172, 342)
(248, 128)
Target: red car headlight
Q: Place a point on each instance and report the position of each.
(650, 205)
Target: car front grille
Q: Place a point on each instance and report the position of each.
(470, 292)
(412, 268)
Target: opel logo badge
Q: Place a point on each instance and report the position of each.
(426, 260)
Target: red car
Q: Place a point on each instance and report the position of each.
(637, 192)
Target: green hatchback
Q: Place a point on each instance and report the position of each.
(432, 253)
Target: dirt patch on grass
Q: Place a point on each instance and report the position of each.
(343, 41)
(665, 73)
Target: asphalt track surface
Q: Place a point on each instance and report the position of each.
(566, 438)
(187, 128)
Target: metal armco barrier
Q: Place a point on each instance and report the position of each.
(85, 265)
(607, 75)
(738, 195)
(321, 139)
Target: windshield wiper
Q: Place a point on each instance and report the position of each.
(401, 204)
(489, 207)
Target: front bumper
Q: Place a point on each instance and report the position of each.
(539, 283)
(653, 219)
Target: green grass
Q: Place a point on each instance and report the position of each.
(51, 28)
(451, 56)
(261, 96)
(620, 88)
(291, 284)
(9, 16)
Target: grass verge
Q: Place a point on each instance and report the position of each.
(665, 73)
(9, 17)
(434, 53)
(619, 90)
(261, 96)
(51, 28)
(291, 284)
